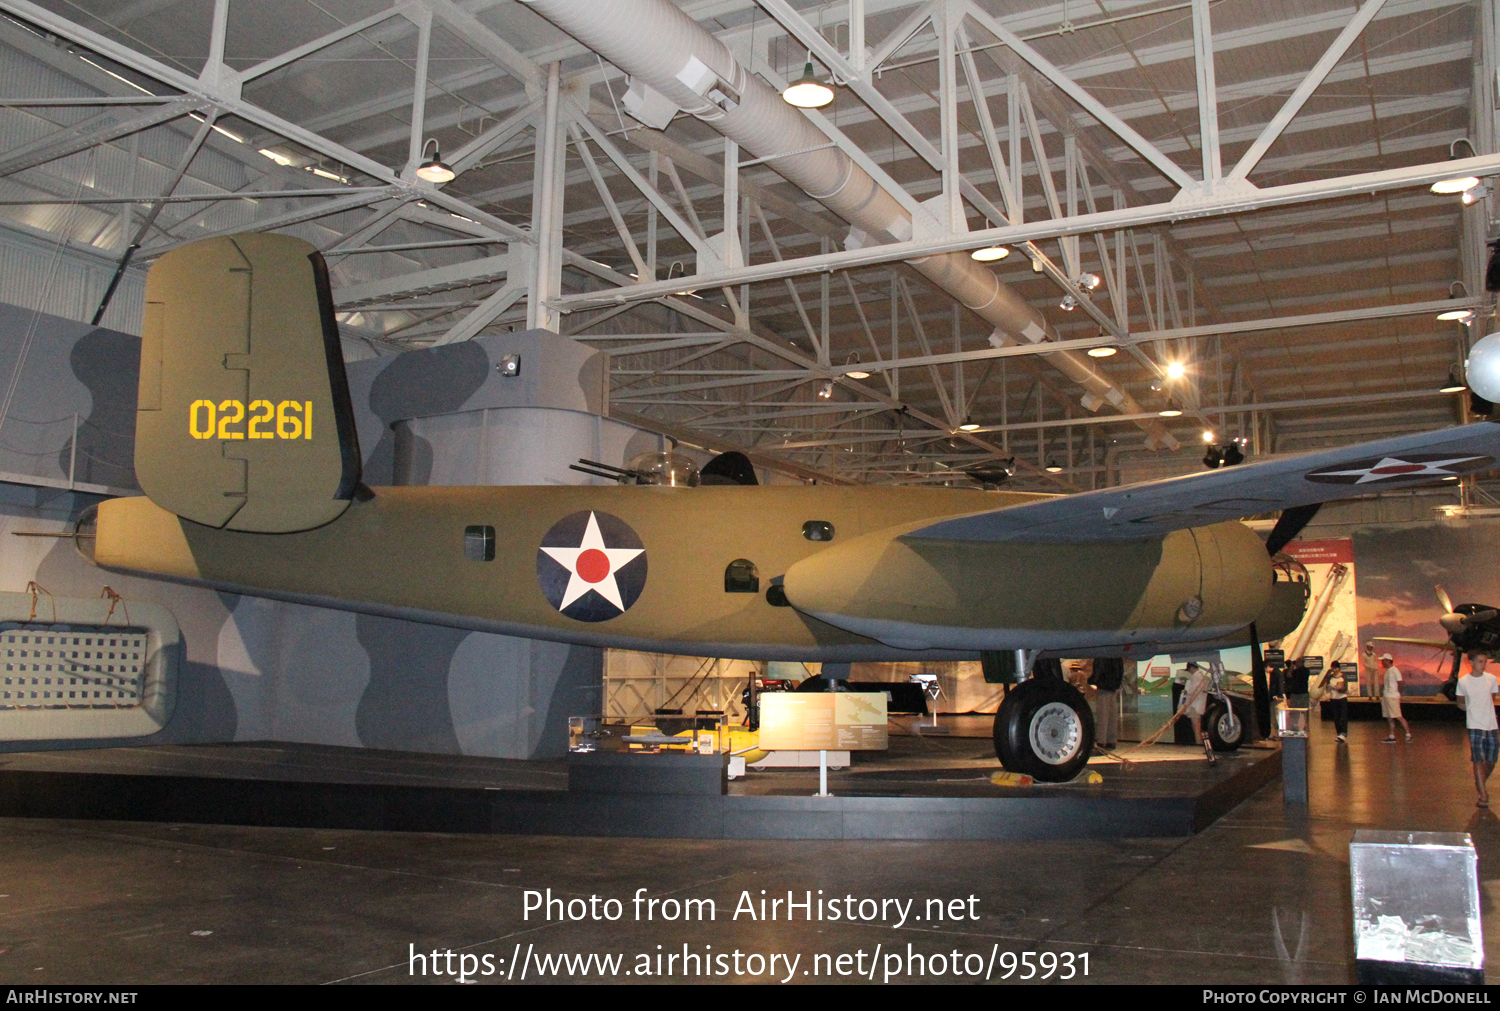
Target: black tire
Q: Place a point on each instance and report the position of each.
(1044, 729)
(1225, 728)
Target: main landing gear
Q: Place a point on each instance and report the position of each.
(1045, 729)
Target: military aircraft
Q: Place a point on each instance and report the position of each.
(1470, 627)
(246, 450)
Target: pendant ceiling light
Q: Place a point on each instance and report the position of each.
(807, 92)
(434, 170)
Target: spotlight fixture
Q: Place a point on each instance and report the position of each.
(1053, 467)
(1156, 385)
(1170, 412)
(1474, 194)
(969, 425)
(989, 254)
(1176, 370)
(807, 92)
(1455, 383)
(1068, 303)
(1208, 436)
(1104, 352)
(1456, 184)
(855, 373)
(434, 170)
(1223, 455)
(826, 390)
(1088, 282)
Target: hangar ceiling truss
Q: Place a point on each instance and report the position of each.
(1235, 188)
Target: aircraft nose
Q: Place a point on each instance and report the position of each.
(1452, 622)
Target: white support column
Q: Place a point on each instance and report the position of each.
(1013, 128)
(216, 42)
(732, 205)
(419, 95)
(653, 176)
(547, 213)
(953, 212)
(857, 36)
(824, 290)
(1208, 100)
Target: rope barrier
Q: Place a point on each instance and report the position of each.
(35, 588)
(114, 598)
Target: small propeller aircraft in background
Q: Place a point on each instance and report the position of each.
(247, 452)
(1469, 626)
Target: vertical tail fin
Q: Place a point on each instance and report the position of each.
(244, 419)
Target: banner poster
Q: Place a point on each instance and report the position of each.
(1330, 625)
(1400, 569)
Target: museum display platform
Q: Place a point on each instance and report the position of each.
(922, 788)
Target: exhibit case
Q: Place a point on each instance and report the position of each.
(1416, 907)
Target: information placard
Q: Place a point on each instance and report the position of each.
(823, 721)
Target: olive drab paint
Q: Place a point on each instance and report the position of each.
(245, 429)
(243, 419)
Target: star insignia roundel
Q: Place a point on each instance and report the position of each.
(1403, 467)
(591, 566)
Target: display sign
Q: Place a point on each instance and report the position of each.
(823, 721)
(1314, 665)
(1274, 656)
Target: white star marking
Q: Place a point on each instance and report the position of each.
(1393, 467)
(606, 585)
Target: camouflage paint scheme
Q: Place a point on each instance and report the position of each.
(399, 551)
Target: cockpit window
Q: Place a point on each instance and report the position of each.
(817, 530)
(479, 544)
(740, 576)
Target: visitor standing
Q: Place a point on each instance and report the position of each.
(1296, 685)
(1390, 699)
(1108, 676)
(1476, 693)
(1337, 687)
(1195, 702)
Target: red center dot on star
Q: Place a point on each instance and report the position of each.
(593, 565)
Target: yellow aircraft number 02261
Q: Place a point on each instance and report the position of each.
(293, 419)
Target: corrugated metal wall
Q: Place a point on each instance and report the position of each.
(38, 272)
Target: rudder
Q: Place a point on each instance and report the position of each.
(244, 420)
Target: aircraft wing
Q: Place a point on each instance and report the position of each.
(1434, 643)
(1152, 509)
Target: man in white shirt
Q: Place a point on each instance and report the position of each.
(1476, 693)
(1390, 699)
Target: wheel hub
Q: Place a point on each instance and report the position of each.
(1056, 733)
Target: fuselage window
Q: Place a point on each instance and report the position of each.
(817, 530)
(479, 544)
(740, 577)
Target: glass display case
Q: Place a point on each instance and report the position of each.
(1416, 907)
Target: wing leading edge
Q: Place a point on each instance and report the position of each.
(1150, 510)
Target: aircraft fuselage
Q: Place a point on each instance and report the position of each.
(656, 571)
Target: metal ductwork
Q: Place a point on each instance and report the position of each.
(665, 50)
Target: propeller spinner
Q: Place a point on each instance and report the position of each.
(1454, 622)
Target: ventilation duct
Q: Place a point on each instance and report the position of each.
(665, 50)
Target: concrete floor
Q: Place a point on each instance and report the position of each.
(1260, 897)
